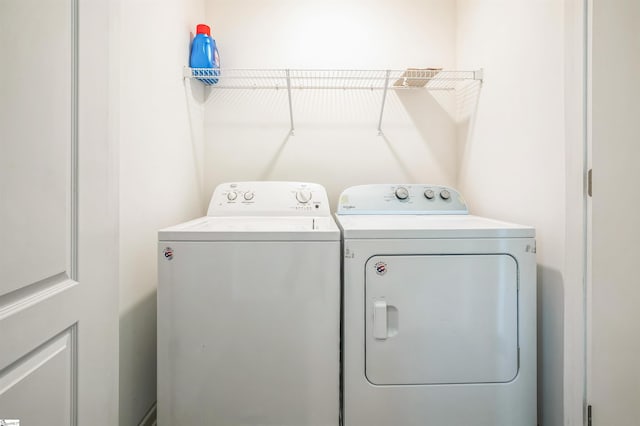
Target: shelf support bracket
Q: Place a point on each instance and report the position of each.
(479, 75)
(384, 99)
(288, 72)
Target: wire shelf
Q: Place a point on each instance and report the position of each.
(304, 79)
(412, 78)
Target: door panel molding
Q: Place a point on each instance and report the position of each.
(74, 168)
(61, 225)
(18, 373)
(33, 294)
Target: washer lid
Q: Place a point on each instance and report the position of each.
(253, 228)
(428, 226)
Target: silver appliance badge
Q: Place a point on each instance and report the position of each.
(381, 268)
(168, 253)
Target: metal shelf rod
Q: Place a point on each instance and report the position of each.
(384, 99)
(290, 103)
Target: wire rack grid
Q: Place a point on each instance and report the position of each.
(431, 78)
(290, 79)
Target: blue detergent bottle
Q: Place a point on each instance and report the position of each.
(204, 59)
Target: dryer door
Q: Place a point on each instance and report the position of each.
(436, 319)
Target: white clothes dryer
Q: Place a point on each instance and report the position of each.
(249, 310)
(439, 322)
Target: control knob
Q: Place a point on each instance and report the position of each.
(248, 196)
(445, 195)
(429, 194)
(303, 196)
(232, 195)
(402, 193)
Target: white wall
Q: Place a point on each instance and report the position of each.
(509, 160)
(512, 161)
(160, 132)
(336, 142)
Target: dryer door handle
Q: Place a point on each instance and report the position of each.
(380, 330)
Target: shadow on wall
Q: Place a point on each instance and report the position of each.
(195, 98)
(433, 121)
(245, 135)
(468, 100)
(138, 324)
(273, 161)
(453, 113)
(402, 164)
(550, 347)
(336, 142)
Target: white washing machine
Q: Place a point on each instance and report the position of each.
(439, 325)
(249, 310)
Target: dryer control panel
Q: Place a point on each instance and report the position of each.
(401, 199)
(269, 199)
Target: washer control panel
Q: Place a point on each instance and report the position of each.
(270, 199)
(401, 199)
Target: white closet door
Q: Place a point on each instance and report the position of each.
(58, 270)
(614, 381)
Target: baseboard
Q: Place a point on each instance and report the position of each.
(149, 418)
